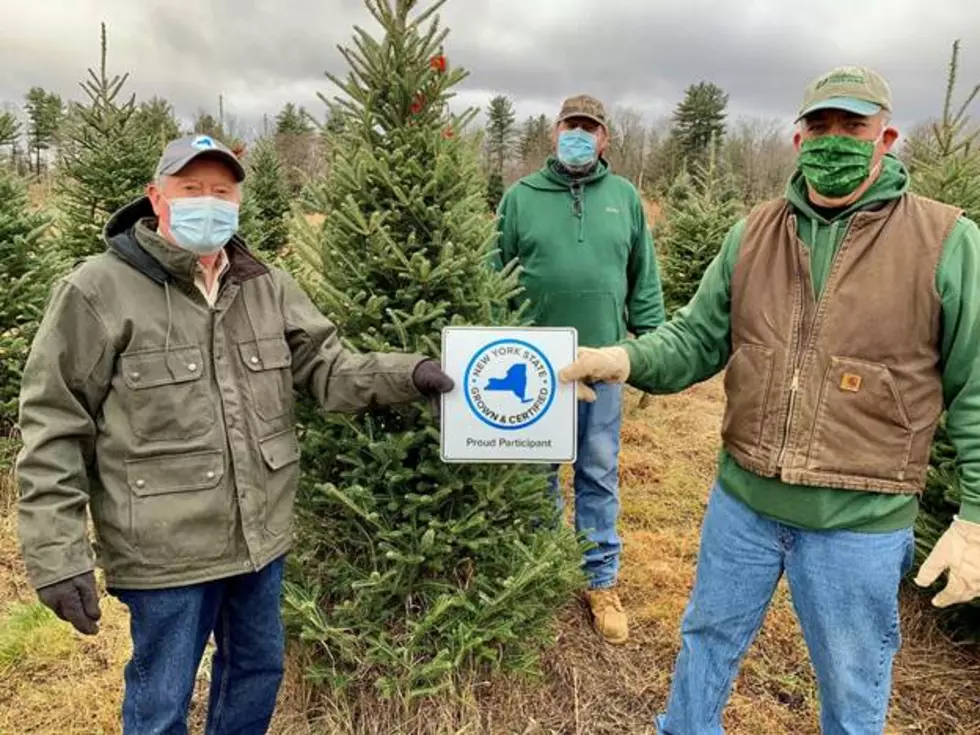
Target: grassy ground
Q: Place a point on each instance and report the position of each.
(53, 681)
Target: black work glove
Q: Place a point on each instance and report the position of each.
(431, 382)
(76, 601)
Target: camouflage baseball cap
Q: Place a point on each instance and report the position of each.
(856, 89)
(582, 105)
(182, 151)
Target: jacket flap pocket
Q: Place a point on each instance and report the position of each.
(161, 367)
(280, 449)
(268, 353)
(175, 473)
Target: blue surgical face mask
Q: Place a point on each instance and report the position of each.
(202, 225)
(577, 148)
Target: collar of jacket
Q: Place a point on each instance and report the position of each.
(131, 235)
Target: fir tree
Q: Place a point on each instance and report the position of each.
(946, 167)
(409, 571)
(155, 119)
(700, 119)
(27, 269)
(293, 120)
(107, 161)
(500, 133)
(699, 212)
(495, 190)
(535, 142)
(44, 113)
(9, 130)
(265, 203)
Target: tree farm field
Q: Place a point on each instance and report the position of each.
(55, 681)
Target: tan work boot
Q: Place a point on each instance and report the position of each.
(608, 616)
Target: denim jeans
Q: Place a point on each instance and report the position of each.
(170, 628)
(844, 587)
(597, 482)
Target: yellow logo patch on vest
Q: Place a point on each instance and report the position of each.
(850, 382)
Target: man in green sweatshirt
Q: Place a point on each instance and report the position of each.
(848, 316)
(581, 238)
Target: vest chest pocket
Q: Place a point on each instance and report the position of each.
(167, 396)
(268, 362)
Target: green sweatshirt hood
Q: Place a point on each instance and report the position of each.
(892, 182)
(551, 178)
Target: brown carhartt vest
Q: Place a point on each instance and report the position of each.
(844, 391)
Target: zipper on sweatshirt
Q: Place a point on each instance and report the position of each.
(578, 207)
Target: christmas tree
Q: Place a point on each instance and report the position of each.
(265, 202)
(698, 214)
(107, 160)
(409, 571)
(945, 165)
(27, 268)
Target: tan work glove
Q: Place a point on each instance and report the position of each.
(606, 365)
(957, 550)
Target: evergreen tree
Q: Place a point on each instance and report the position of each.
(9, 130)
(27, 269)
(206, 124)
(44, 113)
(699, 212)
(946, 167)
(500, 133)
(155, 118)
(700, 119)
(495, 190)
(107, 161)
(535, 142)
(293, 120)
(409, 570)
(265, 203)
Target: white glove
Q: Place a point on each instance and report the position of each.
(958, 550)
(606, 365)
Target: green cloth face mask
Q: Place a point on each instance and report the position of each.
(836, 165)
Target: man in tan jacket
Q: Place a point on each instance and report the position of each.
(159, 395)
(846, 316)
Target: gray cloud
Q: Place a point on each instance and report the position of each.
(629, 52)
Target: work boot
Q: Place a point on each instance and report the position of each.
(608, 616)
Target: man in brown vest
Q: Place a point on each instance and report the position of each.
(847, 314)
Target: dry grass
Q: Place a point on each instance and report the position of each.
(63, 683)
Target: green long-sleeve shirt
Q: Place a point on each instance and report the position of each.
(696, 344)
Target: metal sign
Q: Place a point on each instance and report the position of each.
(508, 405)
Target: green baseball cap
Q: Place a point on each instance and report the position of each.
(856, 89)
(582, 105)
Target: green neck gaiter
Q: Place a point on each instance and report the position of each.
(836, 165)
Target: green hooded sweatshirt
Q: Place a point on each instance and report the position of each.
(696, 344)
(586, 253)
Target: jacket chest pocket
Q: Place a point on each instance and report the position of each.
(167, 393)
(268, 365)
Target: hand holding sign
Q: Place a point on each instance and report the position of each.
(606, 365)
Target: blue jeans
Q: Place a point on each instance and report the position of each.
(844, 587)
(170, 628)
(597, 482)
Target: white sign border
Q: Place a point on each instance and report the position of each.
(442, 401)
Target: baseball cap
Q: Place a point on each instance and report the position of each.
(582, 105)
(182, 151)
(856, 89)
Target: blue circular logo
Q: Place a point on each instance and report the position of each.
(510, 384)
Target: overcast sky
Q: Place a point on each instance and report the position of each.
(635, 53)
